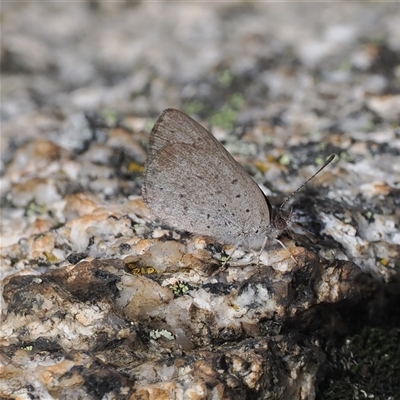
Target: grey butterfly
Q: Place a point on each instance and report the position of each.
(192, 183)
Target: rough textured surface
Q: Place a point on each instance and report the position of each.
(101, 302)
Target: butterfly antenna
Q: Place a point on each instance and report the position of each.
(327, 162)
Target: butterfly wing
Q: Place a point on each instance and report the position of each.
(174, 126)
(192, 183)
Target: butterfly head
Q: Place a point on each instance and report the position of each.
(281, 220)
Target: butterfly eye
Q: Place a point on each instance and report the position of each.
(280, 223)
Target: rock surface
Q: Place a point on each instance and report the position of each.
(101, 302)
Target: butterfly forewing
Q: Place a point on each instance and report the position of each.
(174, 126)
(192, 183)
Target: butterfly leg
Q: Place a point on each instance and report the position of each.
(264, 245)
(291, 256)
(230, 256)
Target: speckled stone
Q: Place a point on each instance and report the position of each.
(101, 302)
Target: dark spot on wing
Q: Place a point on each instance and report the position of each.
(234, 181)
(238, 195)
(247, 210)
(208, 216)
